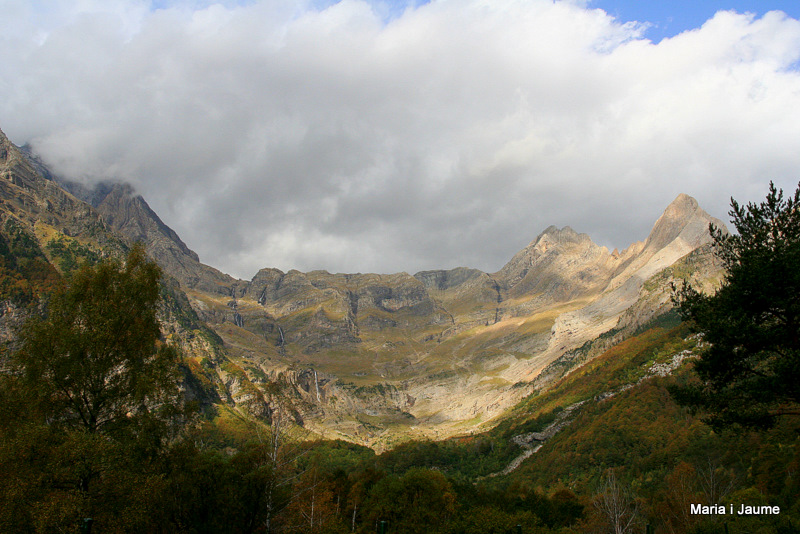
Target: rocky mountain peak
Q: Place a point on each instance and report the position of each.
(4, 142)
(64, 203)
(13, 166)
(555, 240)
(681, 211)
(547, 262)
(684, 219)
(683, 203)
(554, 234)
(129, 214)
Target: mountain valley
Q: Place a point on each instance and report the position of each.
(376, 359)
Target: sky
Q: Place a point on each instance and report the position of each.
(375, 136)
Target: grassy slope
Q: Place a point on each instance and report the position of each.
(652, 444)
(473, 456)
(623, 364)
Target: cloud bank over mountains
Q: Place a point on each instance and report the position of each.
(351, 137)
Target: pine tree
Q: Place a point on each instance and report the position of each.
(750, 372)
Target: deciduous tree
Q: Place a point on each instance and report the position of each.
(88, 403)
(95, 361)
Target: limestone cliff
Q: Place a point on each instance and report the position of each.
(36, 203)
(129, 215)
(61, 229)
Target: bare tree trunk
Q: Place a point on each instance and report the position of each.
(617, 506)
(281, 453)
(715, 482)
(272, 445)
(313, 496)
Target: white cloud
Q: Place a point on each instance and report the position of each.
(355, 138)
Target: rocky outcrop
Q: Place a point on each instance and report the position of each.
(444, 280)
(43, 214)
(129, 215)
(29, 198)
(320, 310)
(559, 265)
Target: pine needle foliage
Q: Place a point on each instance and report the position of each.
(749, 374)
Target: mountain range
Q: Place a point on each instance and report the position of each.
(372, 358)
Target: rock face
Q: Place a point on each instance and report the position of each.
(64, 231)
(377, 358)
(559, 265)
(27, 198)
(129, 215)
